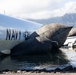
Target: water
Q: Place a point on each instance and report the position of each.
(71, 55)
(32, 62)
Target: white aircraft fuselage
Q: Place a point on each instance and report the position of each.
(14, 31)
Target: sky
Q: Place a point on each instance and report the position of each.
(37, 9)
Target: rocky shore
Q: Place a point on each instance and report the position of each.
(68, 71)
(35, 73)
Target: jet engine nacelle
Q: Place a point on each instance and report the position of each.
(43, 41)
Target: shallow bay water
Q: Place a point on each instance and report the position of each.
(66, 57)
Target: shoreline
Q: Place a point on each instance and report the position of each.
(38, 73)
(67, 71)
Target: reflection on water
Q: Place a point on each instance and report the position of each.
(71, 55)
(32, 62)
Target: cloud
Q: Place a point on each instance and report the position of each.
(70, 7)
(36, 9)
(12, 6)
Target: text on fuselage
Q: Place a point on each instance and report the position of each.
(13, 34)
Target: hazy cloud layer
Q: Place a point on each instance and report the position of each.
(37, 9)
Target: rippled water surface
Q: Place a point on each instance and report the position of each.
(32, 62)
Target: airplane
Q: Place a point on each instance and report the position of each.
(14, 31)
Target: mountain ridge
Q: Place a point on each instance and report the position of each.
(68, 19)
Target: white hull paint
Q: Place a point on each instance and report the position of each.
(14, 31)
(7, 45)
